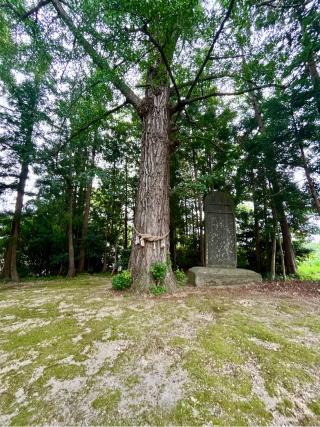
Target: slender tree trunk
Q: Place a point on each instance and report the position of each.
(202, 240)
(273, 256)
(257, 236)
(289, 255)
(315, 78)
(104, 263)
(152, 214)
(199, 213)
(85, 221)
(10, 271)
(311, 184)
(283, 266)
(125, 240)
(287, 240)
(310, 181)
(186, 219)
(71, 267)
(311, 64)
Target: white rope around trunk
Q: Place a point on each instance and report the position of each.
(142, 237)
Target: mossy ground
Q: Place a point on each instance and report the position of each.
(75, 352)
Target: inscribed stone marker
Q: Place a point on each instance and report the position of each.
(221, 247)
(220, 230)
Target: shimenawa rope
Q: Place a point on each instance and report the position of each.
(141, 237)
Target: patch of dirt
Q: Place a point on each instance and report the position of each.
(104, 353)
(26, 325)
(298, 400)
(266, 344)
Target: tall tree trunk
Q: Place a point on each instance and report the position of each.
(312, 188)
(152, 214)
(199, 212)
(315, 78)
(257, 236)
(289, 255)
(273, 175)
(125, 240)
(273, 256)
(85, 221)
(10, 271)
(71, 266)
(283, 266)
(311, 64)
(311, 184)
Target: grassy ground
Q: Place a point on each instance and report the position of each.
(74, 352)
(309, 269)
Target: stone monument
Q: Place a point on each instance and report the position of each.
(220, 246)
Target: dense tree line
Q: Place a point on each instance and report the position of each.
(125, 114)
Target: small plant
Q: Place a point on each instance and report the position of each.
(157, 290)
(158, 271)
(122, 281)
(180, 276)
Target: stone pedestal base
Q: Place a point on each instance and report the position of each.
(216, 276)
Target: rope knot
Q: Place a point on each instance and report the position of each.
(142, 237)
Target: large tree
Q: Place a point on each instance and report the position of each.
(175, 53)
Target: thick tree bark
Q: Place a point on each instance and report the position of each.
(152, 214)
(85, 221)
(9, 271)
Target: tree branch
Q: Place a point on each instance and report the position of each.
(97, 120)
(215, 38)
(207, 78)
(164, 59)
(36, 8)
(101, 62)
(218, 58)
(185, 102)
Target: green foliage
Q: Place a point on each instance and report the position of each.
(157, 290)
(309, 268)
(158, 271)
(122, 281)
(180, 276)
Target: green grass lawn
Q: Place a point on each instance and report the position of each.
(309, 269)
(75, 352)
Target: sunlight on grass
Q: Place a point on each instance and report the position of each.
(309, 269)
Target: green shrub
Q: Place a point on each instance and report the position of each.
(158, 271)
(180, 276)
(122, 281)
(157, 290)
